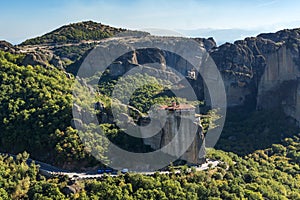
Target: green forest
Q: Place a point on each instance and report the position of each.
(36, 121)
(37, 112)
(272, 173)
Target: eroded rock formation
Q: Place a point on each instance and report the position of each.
(262, 71)
(181, 133)
(258, 72)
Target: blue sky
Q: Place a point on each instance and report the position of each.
(25, 19)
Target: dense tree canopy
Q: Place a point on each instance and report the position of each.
(272, 173)
(34, 102)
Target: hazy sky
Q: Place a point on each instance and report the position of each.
(22, 19)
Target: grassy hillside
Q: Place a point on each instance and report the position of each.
(74, 33)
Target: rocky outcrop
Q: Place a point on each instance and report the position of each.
(71, 189)
(262, 71)
(35, 59)
(258, 72)
(151, 59)
(151, 52)
(242, 65)
(6, 46)
(42, 58)
(33, 56)
(280, 67)
(181, 134)
(253, 69)
(208, 43)
(246, 65)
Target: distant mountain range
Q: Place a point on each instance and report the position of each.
(220, 35)
(223, 35)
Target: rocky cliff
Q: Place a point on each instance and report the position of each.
(165, 58)
(6, 46)
(181, 131)
(251, 69)
(262, 71)
(258, 73)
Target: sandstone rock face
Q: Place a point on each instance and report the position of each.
(149, 53)
(242, 65)
(280, 67)
(151, 60)
(255, 71)
(42, 58)
(247, 66)
(279, 85)
(252, 69)
(179, 129)
(262, 71)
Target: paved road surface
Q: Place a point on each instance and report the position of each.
(205, 166)
(49, 170)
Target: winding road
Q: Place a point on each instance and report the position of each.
(49, 170)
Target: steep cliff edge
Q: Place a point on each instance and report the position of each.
(182, 131)
(242, 65)
(262, 71)
(255, 70)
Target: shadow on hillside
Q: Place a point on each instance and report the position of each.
(245, 132)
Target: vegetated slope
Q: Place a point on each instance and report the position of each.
(72, 41)
(36, 113)
(74, 33)
(34, 102)
(69, 42)
(246, 131)
(272, 173)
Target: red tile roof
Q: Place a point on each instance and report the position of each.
(178, 107)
